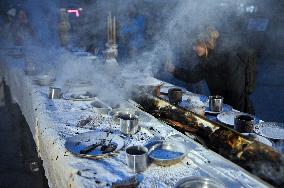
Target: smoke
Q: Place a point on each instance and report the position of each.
(169, 33)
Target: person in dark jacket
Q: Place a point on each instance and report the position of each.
(222, 69)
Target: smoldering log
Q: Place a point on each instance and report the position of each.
(257, 158)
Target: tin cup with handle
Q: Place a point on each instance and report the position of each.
(54, 93)
(175, 95)
(216, 103)
(137, 158)
(244, 123)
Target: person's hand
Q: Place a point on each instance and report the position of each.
(169, 67)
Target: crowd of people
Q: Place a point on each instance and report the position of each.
(17, 28)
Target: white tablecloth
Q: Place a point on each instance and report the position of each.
(52, 121)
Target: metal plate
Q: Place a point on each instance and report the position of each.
(78, 97)
(199, 182)
(270, 130)
(165, 89)
(166, 153)
(100, 107)
(228, 118)
(44, 80)
(77, 84)
(226, 108)
(258, 138)
(77, 143)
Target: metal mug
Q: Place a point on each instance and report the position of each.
(54, 93)
(175, 95)
(216, 103)
(137, 158)
(244, 123)
(129, 124)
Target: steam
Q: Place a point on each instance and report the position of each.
(170, 31)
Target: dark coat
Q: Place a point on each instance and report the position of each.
(224, 72)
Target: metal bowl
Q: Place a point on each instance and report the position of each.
(199, 182)
(166, 153)
(44, 80)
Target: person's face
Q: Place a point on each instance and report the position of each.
(199, 50)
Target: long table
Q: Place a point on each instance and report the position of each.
(53, 121)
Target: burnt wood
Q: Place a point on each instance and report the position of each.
(257, 158)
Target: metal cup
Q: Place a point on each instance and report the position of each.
(216, 103)
(54, 93)
(244, 123)
(175, 95)
(137, 158)
(129, 124)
